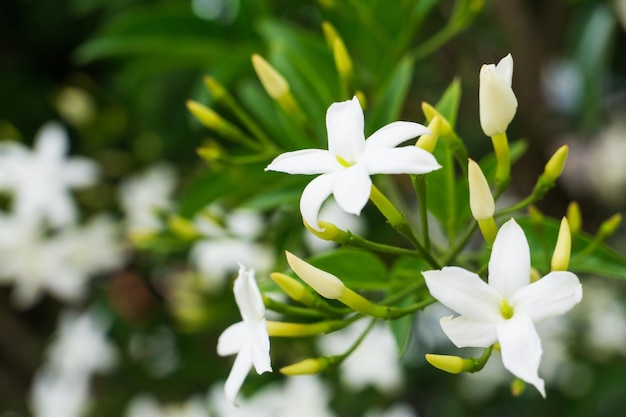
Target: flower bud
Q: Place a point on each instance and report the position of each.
(450, 364)
(497, 101)
(326, 284)
(342, 59)
(308, 366)
(555, 165)
(429, 141)
(293, 288)
(273, 82)
(482, 204)
(430, 112)
(610, 225)
(574, 217)
(284, 329)
(563, 248)
(217, 90)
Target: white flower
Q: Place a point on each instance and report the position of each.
(506, 309)
(350, 160)
(497, 102)
(40, 181)
(142, 196)
(374, 363)
(146, 406)
(248, 338)
(80, 346)
(58, 395)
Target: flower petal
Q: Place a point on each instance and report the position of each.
(239, 372)
(465, 293)
(521, 349)
(504, 69)
(552, 295)
(313, 196)
(80, 172)
(352, 188)
(344, 123)
(261, 349)
(509, 265)
(232, 339)
(306, 161)
(466, 332)
(404, 160)
(248, 297)
(51, 141)
(394, 134)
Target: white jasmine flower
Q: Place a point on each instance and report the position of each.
(286, 399)
(497, 102)
(228, 238)
(505, 309)
(248, 338)
(396, 410)
(81, 346)
(350, 160)
(142, 196)
(58, 395)
(375, 362)
(40, 181)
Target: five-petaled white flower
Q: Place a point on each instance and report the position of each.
(248, 338)
(350, 160)
(41, 180)
(506, 309)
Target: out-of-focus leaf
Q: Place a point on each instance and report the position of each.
(358, 269)
(604, 261)
(448, 104)
(387, 104)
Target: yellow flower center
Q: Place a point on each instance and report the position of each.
(506, 310)
(343, 162)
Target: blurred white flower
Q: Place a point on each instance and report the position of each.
(40, 180)
(287, 399)
(346, 166)
(60, 264)
(396, 410)
(604, 312)
(228, 238)
(374, 363)
(248, 338)
(147, 406)
(58, 395)
(80, 346)
(606, 163)
(143, 195)
(562, 85)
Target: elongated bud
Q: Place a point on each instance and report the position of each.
(273, 82)
(554, 167)
(610, 225)
(330, 33)
(284, 329)
(574, 217)
(329, 232)
(217, 90)
(429, 141)
(293, 288)
(450, 364)
(342, 59)
(211, 152)
(208, 117)
(308, 366)
(482, 204)
(327, 285)
(497, 102)
(563, 248)
(445, 128)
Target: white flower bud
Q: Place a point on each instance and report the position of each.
(496, 98)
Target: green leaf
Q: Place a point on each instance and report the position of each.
(448, 104)
(387, 104)
(358, 269)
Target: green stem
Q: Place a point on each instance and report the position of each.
(419, 183)
(291, 310)
(460, 244)
(357, 241)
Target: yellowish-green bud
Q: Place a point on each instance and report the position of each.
(217, 90)
(292, 287)
(534, 275)
(326, 284)
(430, 112)
(428, 142)
(342, 59)
(284, 329)
(554, 167)
(211, 152)
(482, 204)
(535, 215)
(330, 33)
(273, 82)
(308, 366)
(518, 387)
(574, 217)
(329, 232)
(450, 364)
(182, 227)
(563, 248)
(610, 225)
(360, 95)
(208, 117)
